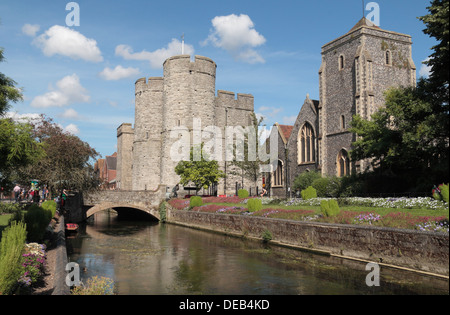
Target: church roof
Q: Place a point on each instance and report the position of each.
(285, 131)
(364, 23)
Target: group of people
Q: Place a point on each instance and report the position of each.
(29, 194)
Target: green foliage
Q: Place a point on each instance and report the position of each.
(309, 193)
(254, 204)
(11, 247)
(195, 201)
(441, 193)
(199, 170)
(330, 208)
(242, 193)
(163, 211)
(95, 286)
(9, 207)
(304, 180)
(37, 220)
(444, 192)
(8, 91)
(49, 205)
(321, 186)
(266, 236)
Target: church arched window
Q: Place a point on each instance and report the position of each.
(278, 175)
(388, 57)
(343, 163)
(306, 144)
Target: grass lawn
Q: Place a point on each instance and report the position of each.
(4, 218)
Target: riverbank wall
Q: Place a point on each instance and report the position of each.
(424, 252)
(59, 268)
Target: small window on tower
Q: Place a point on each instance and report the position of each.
(341, 62)
(388, 57)
(342, 122)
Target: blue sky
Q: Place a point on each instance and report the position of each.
(83, 76)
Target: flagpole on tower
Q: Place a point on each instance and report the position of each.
(182, 44)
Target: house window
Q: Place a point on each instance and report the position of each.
(342, 122)
(307, 152)
(278, 174)
(341, 62)
(343, 164)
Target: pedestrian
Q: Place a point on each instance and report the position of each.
(17, 193)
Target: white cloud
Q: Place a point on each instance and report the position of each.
(70, 114)
(24, 118)
(60, 40)
(30, 29)
(236, 34)
(270, 111)
(73, 129)
(425, 70)
(118, 73)
(68, 91)
(157, 57)
(289, 120)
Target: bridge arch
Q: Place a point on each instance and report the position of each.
(113, 205)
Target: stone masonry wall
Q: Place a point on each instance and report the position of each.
(417, 250)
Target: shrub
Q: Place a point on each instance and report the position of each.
(37, 220)
(242, 193)
(266, 236)
(321, 186)
(195, 201)
(254, 204)
(309, 193)
(95, 286)
(444, 192)
(329, 208)
(11, 247)
(49, 205)
(304, 180)
(9, 207)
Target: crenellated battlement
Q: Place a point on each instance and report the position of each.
(229, 99)
(154, 84)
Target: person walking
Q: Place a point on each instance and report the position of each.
(17, 193)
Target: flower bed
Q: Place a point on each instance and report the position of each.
(33, 264)
(391, 219)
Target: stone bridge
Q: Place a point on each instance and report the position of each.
(124, 201)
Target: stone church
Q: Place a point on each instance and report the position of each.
(357, 68)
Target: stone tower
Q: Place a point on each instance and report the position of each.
(357, 68)
(125, 138)
(164, 104)
(189, 92)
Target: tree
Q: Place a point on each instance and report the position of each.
(67, 163)
(8, 91)
(202, 174)
(18, 148)
(437, 26)
(407, 135)
(249, 168)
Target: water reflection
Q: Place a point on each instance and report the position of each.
(152, 258)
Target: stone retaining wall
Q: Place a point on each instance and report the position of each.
(423, 251)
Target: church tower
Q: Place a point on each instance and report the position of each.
(357, 68)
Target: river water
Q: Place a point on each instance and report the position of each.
(147, 258)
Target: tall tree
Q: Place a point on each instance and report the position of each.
(437, 27)
(68, 161)
(8, 91)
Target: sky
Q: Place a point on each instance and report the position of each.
(77, 62)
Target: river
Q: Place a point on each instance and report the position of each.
(147, 258)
